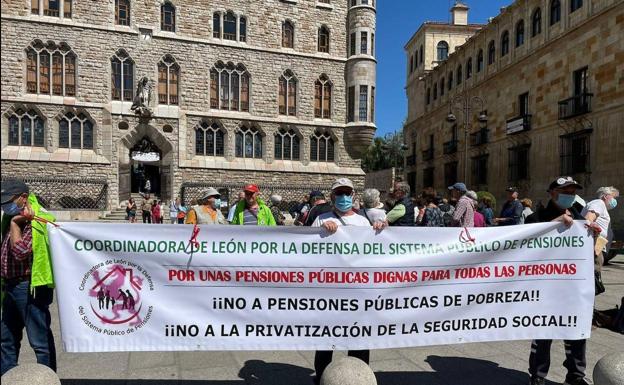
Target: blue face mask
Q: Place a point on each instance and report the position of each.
(612, 204)
(343, 203)
(217, 203)
(11, 209)
(565, 201)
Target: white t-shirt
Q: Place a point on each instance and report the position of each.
(374, 214)
(598, 207)
(349, 220)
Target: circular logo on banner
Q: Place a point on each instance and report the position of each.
(114, 291)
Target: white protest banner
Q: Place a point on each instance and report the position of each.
(129, 287)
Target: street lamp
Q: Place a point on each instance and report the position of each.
(464, 103)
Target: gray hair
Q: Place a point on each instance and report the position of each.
(402, 186)
(610, 190)
(276, 199)
(370, 197)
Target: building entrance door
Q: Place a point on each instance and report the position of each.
(145, 167)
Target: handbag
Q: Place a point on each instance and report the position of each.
(598, 282)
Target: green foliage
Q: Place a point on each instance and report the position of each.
(483, 194)
(386, 152)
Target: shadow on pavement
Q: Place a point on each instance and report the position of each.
(457, 371)
(446, 371)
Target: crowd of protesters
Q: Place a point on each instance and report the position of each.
(28, 281)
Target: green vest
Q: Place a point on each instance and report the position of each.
(265, 217)
(41, 271)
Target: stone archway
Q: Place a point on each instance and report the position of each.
(145, 138)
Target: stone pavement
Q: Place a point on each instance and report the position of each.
(489, 363)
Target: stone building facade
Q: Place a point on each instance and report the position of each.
(274, 92)
(550, 75)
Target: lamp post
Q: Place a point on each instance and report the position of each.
(466, 104)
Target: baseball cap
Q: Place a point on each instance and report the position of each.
(251, 188)
(342, 182)
(564, 181)
(316, 194)
(458, 186)
(11, 188)
(211, 192)
(511, 189)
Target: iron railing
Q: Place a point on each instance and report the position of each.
(574, 106)
(64, 194)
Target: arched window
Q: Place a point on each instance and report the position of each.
(323, 39)
(286, 145)
(168, 80)
(480, 61)
(442, 85)
(450, 80)
(242, 28)
(491, 52)
(75, 131)
(443, 50)
(411, 67)
(322, 97)
(122, 76)
(167, 17)
(520, 33)
(229, 26)
(50, 69)
(415, 57)
(288, 34)
(288, 94)
(216, 25)
(555, 11)
(536, 22)
(248, 142)
(469, 68)
(209, 139)
(420, 54)
(505, 43)
(229, 87)
(26, 129)
(321, 147)
(435, 91)
(574, 5)
(460, 74)
(122, 12)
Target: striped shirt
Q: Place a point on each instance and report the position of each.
(17, 259)
(464, 213)
(250, 217)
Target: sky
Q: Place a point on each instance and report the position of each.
(397, 21)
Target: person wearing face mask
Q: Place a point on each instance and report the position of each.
(560, 208)
(252, 211)
(208, 211)
(341, 215)
(27, 280)
(597, 211)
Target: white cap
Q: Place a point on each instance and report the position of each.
(211, 192)
(342, 182)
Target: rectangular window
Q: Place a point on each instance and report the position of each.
(214, 89)
(292, 98)
(428, 177)
(372, 44)
(128, 80)
(479, 169)
(173, 86)
(372, 105)
(364, 42)
(574, 152)
(162, 84)
(282, 96)
(363, 112)
(216, 26)
(519, 163)
(327, 101)
(352, 44)
(67, 9)
(318, 98)
(34, 7)
(122, 12)
(225, 91)
(235, 91)
(580, 81)
(450, 173)
(351, 104)
(51, 8)
(31, 72)
(242, 29)
(245, 93)
(115, 80)
(523, 104)
(70, 75)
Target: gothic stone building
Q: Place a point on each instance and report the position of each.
(276, 92)
(550, 74)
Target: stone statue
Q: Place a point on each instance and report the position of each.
(143, 98)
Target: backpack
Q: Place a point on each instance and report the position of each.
(447, 214)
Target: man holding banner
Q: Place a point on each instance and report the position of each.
(342, 215)
(562, 194)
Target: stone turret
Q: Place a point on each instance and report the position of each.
(360, 77)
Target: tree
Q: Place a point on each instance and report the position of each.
(386, 152)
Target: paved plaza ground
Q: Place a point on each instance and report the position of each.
(489, 363)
